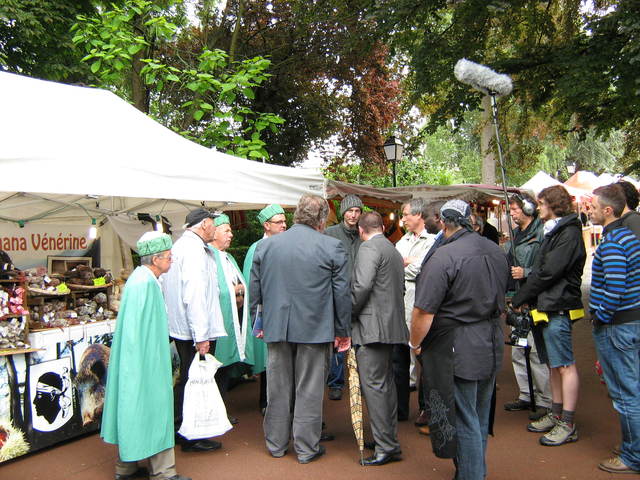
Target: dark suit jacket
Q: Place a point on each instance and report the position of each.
(377, 294)
(300, 277)
(490, 232)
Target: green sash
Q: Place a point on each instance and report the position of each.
(258, 347)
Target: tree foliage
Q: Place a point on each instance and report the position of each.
(135, 46)
(35, 41)
(331, 76)
(573, 67)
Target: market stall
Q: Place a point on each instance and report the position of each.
(84, 174)
(485, 200)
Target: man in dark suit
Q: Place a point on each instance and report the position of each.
(377, 294)
(485, 229)
(300, 278)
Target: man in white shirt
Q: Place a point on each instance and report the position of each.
(191, 293)
(413, 246)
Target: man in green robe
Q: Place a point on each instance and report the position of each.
(273, 222)
(138, 406)
(236, 348)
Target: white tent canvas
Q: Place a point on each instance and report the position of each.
(539, 181)
(69, 154)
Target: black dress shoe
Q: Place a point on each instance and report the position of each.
(179, 477)
(381, 459)
(321, 451)
(141, 472)
(370, 445)
(327, 437)
(201, 446)
(517, 405)
(232, 420)
(335, 394)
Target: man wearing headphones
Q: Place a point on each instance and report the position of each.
(528, 235)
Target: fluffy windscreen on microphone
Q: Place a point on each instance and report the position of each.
(482, 78)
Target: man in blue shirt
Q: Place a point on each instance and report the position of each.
(615, 309)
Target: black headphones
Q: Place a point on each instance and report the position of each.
(528, 207)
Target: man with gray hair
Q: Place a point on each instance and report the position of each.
(300, 280)
(455, 327)
(138, 406)
(191, 294)
(413, 246)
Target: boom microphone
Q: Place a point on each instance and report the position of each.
(482, 78)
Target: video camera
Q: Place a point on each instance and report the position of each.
(521, 323)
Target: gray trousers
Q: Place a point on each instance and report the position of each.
(296, 376)
(539, 374)
(162, 465)
(375, 366)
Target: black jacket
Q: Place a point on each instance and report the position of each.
(556, 276)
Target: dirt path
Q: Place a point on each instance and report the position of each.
(514, 453)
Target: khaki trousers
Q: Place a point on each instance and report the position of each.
(162, 465)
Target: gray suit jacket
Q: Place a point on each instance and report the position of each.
(300, 277)
(377, 294)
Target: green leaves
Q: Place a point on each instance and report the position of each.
(213, 93)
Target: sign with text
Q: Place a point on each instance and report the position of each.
(31, 245)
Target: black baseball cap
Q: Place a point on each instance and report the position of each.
(196, 216)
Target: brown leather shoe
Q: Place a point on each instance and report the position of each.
(141, 472)
(422, 419)
(424, 430)
(615, 465)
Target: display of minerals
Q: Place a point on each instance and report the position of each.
(58, 314)
(13, 334)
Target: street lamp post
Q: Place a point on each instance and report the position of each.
(393, 148)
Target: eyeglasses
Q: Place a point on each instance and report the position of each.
(279, 222)
(164, 257)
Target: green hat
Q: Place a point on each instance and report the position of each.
(221, 220)
(153, 242)
(268, 212)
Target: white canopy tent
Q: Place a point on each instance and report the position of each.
(72, 154)
(539, 181)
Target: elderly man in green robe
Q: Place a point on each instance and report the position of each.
(273, 222)
(236, 348)
(138, 406)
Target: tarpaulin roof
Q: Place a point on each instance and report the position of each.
(478, 193)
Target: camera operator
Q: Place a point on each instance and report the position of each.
(528, 235)
(554, 287)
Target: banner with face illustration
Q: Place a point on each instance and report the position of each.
(51, 394)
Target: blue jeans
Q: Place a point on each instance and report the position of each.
(557, 340)
(618, 348)
(473, 405)
(336, 371)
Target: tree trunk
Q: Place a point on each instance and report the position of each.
(236, 32)
(486, 144)
(139, 92)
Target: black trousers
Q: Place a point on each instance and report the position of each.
(186, 351)
(401, 363)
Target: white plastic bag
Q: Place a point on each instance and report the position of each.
(203, 412)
